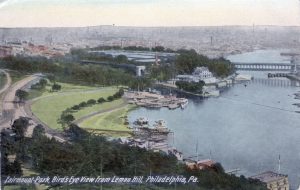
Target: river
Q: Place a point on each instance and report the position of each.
(247, 127)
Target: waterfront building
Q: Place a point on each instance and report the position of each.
(201, 165)
(199, 74)
(273, 180)
(202, 73)
(187, 78)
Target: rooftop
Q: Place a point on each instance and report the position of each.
(206, 162)
(269, 176)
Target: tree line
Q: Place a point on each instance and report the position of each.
(88, 154)
(72, 72)
(67, 117)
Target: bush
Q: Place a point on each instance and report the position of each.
(56, 87)
(101, 100)
(91, 102)
(110, 98)
(82, 104)
(76, 107)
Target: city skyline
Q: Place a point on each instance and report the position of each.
(77, 13)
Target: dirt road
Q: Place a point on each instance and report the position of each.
(10, 109)
(8, 81)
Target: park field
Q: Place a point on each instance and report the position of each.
(49, 106)
(109, 122)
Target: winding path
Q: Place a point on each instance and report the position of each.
(11, 110)
(8, 81)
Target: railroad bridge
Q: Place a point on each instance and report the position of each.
(266, 66)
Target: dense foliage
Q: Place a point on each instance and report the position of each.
(40, 85)
(188, 60)
(21, 94)
(73, 72)
(66, 117)
(195, 87)
(91, 155)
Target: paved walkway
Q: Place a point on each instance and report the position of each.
(13, 110)
(8, 81)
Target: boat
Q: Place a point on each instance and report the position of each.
(141, 121)
(173, 106)
(241, 77)
(184, 103)
(160, 126)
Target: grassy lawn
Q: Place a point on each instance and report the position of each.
(50, 106)
(97, 107)
(33, 93)
(109, 122)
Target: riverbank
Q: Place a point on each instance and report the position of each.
(245, 124)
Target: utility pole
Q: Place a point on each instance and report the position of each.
(197, 152)
(279, 164)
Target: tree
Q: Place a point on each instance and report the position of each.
(110, 98)
(43, 82)
(40, 85)
(121, 91)
(91, 102)
(82, 104)
(20, 126)
(56, 87)
(190, 86)
(121, 59)
(76, 107)
(158, 48)
(38, 131)
(21, 94)
(66, 119)
(76, 133)
(51, 77)
(188, 60)
(101, 100)
(13, 168)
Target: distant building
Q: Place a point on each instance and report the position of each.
(5, 51)
(199, 74)
(201, 165)
(140, 70)
(202, 73)
(187, 78)
(273, 180)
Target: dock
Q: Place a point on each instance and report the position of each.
(151, 100)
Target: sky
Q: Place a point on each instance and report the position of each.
(66, 13)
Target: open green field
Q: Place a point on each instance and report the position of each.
(110, 121)
(33, 93)
(49, 106)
